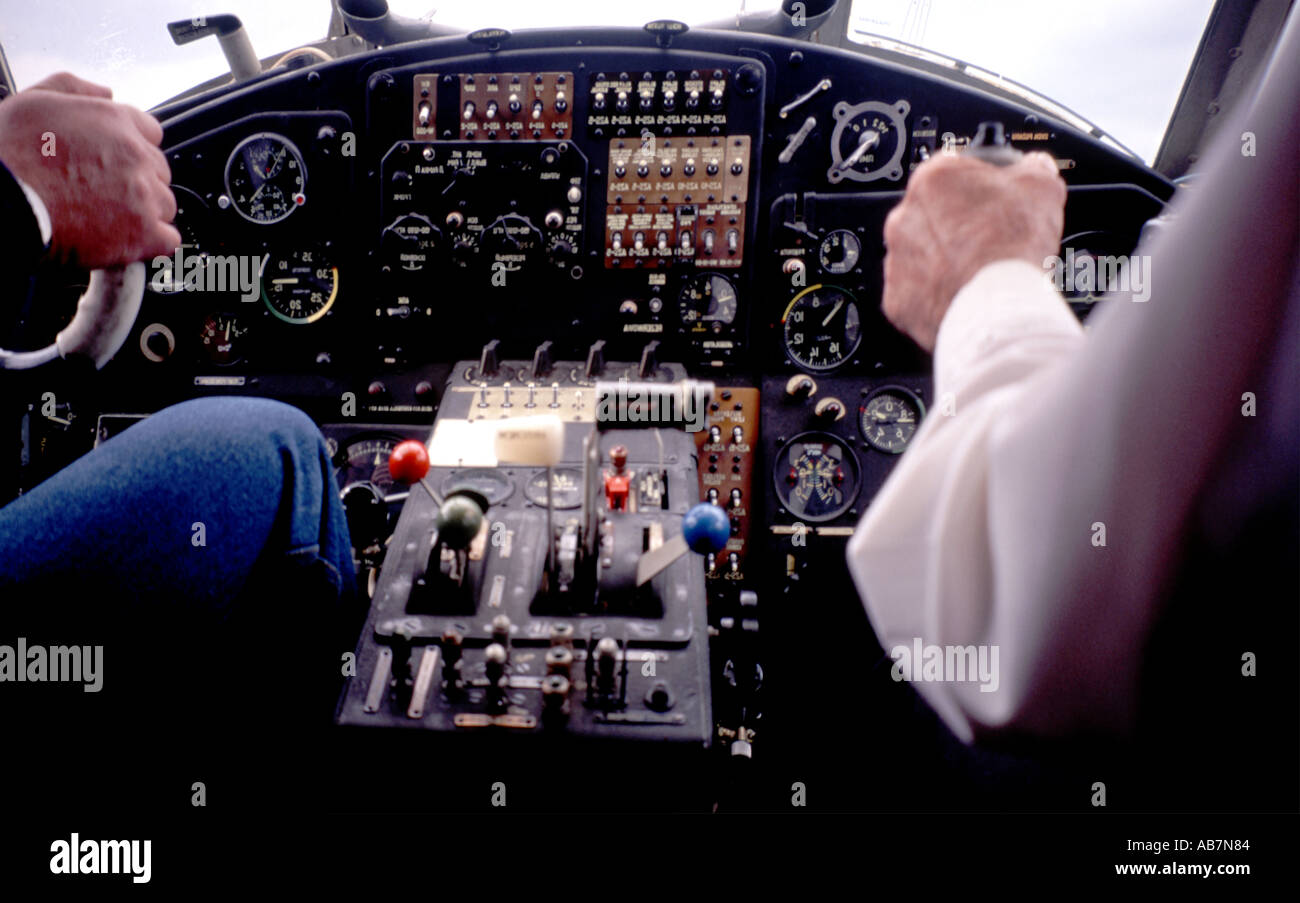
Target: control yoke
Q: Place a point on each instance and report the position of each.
(105, 314)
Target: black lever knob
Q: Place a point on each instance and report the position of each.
(542, 363)
(990, 145)
(489, 362)
(649, 360)
(596, 359)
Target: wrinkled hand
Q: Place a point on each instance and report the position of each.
(97, 168)
(959, 215)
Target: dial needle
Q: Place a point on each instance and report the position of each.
(834, 311)
(869, 139)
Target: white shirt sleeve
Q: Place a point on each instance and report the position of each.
(922, 555)
(1048, 517)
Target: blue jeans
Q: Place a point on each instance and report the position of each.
(206, 548)
(183, 512)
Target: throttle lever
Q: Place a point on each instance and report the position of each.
(990, 145)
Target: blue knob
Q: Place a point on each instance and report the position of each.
(706, 528)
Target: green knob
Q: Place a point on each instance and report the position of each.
(458, 522)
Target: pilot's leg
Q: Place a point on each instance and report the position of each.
(183, 514)
(206, 551)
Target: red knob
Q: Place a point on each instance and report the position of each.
(409, 462)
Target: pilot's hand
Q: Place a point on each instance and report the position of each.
(97, 168)
(959, 215)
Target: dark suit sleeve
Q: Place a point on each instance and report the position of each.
(20, 253)
(24, 249)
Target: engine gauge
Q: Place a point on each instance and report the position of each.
(364, 459)
(821, 328)
(299, 287)
(566, 488)
(869, 141)
(708, 298)
(488, 482)
(889, 417)
(816, 477)
(840, 252)
(265, 178)
(220, 338)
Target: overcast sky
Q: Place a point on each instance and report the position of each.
(1120, 63)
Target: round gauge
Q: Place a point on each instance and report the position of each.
(821, 327)
(265, 178)
(869, 141)
(299, 287)
(708, 299)
(816, 477)
(409, 242)
(566, 488)
(889, 417)
(488, 482)
(840, 252)
(364, 459)
(220, 338)
(190, 216)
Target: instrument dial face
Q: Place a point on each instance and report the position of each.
(220, 338)
(566, 488)
(265, 178)
(868, 142)
(488, 482)
(708, 298)
(821, 328)
(299, 287)
(365, 460)
(840, 252)
(889, 418)
(816, 477)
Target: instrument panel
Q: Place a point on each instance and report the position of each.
(718, 200)
(446, 225)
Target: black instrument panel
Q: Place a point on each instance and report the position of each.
(591, 205)
(579, 186)
(351, 229)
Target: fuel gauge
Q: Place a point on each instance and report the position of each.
(220, 338)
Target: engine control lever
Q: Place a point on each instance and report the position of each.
(990, 145)
(705, 528)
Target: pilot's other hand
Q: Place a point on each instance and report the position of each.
(97, 167)
(959, 215)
